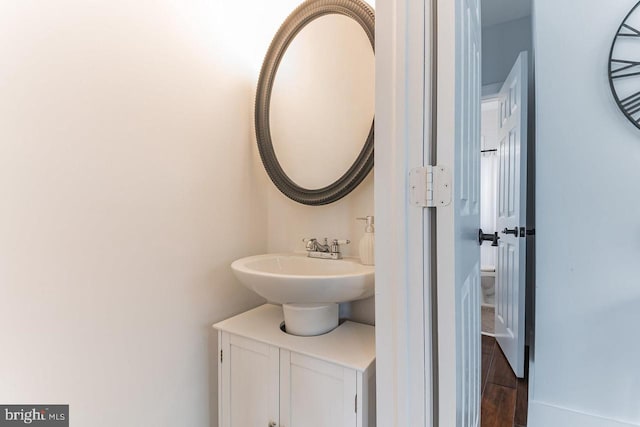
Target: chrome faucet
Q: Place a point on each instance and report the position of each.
(324, 250)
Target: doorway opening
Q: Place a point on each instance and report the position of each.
(506, 124)
(504, 399)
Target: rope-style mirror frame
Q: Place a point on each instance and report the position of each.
(364, 15)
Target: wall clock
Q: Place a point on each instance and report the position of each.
(624, 66)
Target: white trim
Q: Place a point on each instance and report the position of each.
(403, 323)
(446, 129)
(544, 415)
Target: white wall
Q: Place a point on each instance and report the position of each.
(501, 44)
(586, 368)
(128, 183)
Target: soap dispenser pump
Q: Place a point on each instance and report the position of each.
(367, 243)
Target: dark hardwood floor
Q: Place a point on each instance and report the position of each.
(504, 397)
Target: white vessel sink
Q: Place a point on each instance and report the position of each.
(298, 279)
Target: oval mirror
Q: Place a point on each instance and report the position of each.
(315, 101)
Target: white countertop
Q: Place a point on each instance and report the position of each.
(350, 344)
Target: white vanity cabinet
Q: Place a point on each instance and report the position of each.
(267, 378)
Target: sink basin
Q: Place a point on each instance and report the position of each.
(296, 278)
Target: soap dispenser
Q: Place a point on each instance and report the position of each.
(367, 244)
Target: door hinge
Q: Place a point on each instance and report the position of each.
(220, 356)
(356, 404)
(430, 186)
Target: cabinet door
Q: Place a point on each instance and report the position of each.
(314, 393)
(248, 383)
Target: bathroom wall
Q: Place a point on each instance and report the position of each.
(129, 182)
(585, 368)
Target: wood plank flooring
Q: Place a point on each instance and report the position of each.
(504, 397)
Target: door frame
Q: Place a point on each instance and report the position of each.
(404, 269)
(408, 369)
(406, 317)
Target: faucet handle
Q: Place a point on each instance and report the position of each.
(335, 245)
(341, 242)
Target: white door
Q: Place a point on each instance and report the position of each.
(512, 219)
(458, 252)
(315, 393)
(249, 383)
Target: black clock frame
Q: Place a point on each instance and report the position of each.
(630, 105)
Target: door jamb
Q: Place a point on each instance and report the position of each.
(403, 265)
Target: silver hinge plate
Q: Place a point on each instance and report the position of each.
(220, 356)
(430, 187)
(356, 404)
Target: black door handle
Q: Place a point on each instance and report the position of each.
(508, 231)
(483, 237)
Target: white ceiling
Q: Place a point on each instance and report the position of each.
(499, 11)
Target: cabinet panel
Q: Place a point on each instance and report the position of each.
(267, 376)
(315, 393)
(366, 383)
(249, 383)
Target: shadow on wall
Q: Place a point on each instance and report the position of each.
(132, 194)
